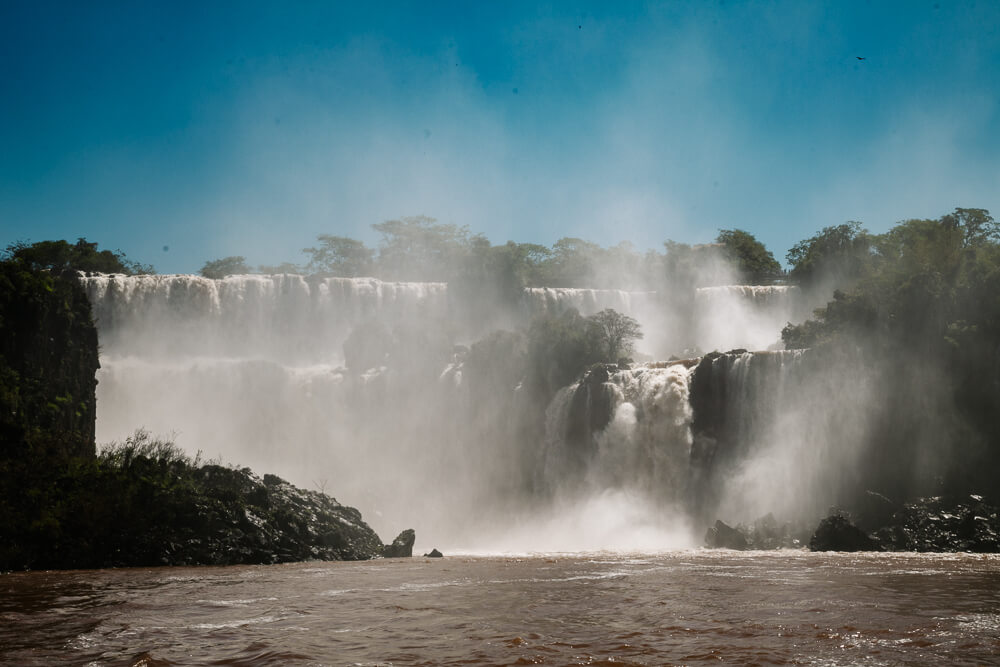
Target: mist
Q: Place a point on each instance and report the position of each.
(389, 396)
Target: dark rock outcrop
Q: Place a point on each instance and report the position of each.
(145, 510)
(434, 554)
(723, 536)
(837, 533)
(765, 533)
(963, 523)
(402, 546)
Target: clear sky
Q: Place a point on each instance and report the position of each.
(181, 132)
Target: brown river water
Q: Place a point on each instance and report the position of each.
(685, 607)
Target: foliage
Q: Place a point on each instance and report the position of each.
(924, 316)
(752, 260)
(838, 256)
(615, 333)
(340, 256)
(284, 267)
(559, 348)
(923, 278)
(58, 256)
(419, 248)
(48, 358)
(147, 503)
(227, 266)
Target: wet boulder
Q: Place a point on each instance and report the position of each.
(402, 546)
(723, 536)
(837, 533)
(939, 524)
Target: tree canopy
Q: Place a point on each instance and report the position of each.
(58, 256)
(340, 256)
(227, 266)
(754, 262)
(615, 332)
(837, 255)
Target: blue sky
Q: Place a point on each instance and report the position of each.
(244, 128)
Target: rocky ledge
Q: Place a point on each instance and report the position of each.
(934, 524)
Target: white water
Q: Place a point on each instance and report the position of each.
(250, 369)
(285, 317)
(744, 316)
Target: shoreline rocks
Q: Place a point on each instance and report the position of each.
(402, 546)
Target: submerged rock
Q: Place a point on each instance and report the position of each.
(723, 536)
(434, 554)
(837, 533)
(402, 546)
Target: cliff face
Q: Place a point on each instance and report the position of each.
(48, 361)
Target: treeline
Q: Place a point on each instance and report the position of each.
(920, 307)
(421, 249)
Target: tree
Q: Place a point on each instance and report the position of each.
(340, 256)
(837, 255)
(227, 266)
(571, 263)
(284, 267)
(977, 225)
(419, 248)
(58, 256)
(755, 263)
(615, 332)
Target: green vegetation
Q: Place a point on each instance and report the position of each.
(142, 502)
(422, 249)
(754, 263)
(58, 256)
(339, 256)
(927, 285)
(48, 358)
(920, 306)
(838, 255)
(615, 333)
(227, 266)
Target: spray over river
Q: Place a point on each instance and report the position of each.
(575, 544)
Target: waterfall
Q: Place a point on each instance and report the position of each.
(623, 429)
(744, 316)
(648, 308)
(284, 317)
(555, 300)
(763, 433)
(251, 369)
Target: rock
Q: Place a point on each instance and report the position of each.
(942, 524)
(722, 536)
(873, 510)
(434, 554)
(837, 533)
(767, 533)
(402, 546)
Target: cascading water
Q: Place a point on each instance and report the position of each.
(282, 317)
(618, 444)
(762, 433)
(252, 369)
(744, 316)
(555, 300)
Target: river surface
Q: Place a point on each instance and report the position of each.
(685, 607)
